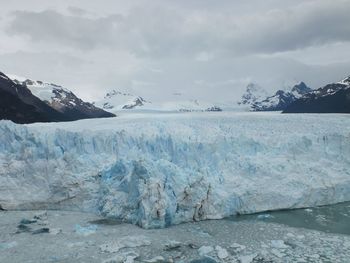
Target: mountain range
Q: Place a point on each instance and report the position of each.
(332, 98)
(115, 101)
(257, 99)
(26, 101)
(23, 100)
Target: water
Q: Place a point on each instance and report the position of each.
(330, 219)
(107, 222)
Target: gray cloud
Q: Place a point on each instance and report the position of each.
(159, 31)
(75, 31)
(205, 48)
(76, 11)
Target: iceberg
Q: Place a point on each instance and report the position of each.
(156, 170)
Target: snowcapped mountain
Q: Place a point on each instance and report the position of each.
(300, 90)
(115, 101)
(61, 99)
(345, 81)
(281, 99)
(26, 101)
(183, 104)
(332, 98)
(17, 103)
(253, 93)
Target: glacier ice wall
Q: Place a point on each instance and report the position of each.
(156, 171)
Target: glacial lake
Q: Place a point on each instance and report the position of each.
(330, 219)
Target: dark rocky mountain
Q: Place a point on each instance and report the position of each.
(332, 98)
(18, 104)
(281, 99)
(30, 101)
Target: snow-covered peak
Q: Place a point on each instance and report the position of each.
(282, 98)
(253, 93)
(254, 88)
(45, 91)
(332, 88)
(300, 89)
(116, 100)
(345, 81)
(114, 93)
(3, 76)
(137, 102)
(16, 78)
(59, 98)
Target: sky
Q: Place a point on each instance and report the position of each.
(154, 48)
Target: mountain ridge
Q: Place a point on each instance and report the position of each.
(258, 99)
(331, 98)
(22, 102)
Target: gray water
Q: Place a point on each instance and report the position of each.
(330, 219)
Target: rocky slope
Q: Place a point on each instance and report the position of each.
(332, 98)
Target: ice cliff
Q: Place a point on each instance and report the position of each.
(158, 170)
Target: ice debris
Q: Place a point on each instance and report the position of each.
(85, 230)
(130, 242)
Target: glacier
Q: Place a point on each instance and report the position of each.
(156, 170)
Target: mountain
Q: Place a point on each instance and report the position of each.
(332, 98)
(115, 101)
(61, 99)
(27, 101)
(253, 93)
(281, 99)
(17, 103)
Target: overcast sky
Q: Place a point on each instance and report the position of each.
(203, 48)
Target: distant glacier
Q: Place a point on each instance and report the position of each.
(155, 170)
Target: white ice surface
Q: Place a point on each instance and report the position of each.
(160, 169)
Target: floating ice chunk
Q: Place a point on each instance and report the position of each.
(205, 250)
(85, 230)
(238, 247)
(247, 258)
(277, 253)
(126, 257)
(265, 216)
(55, 231)
(172, 244)
(158, 259)
(279, 244)
(130, 242)
(222, 252)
